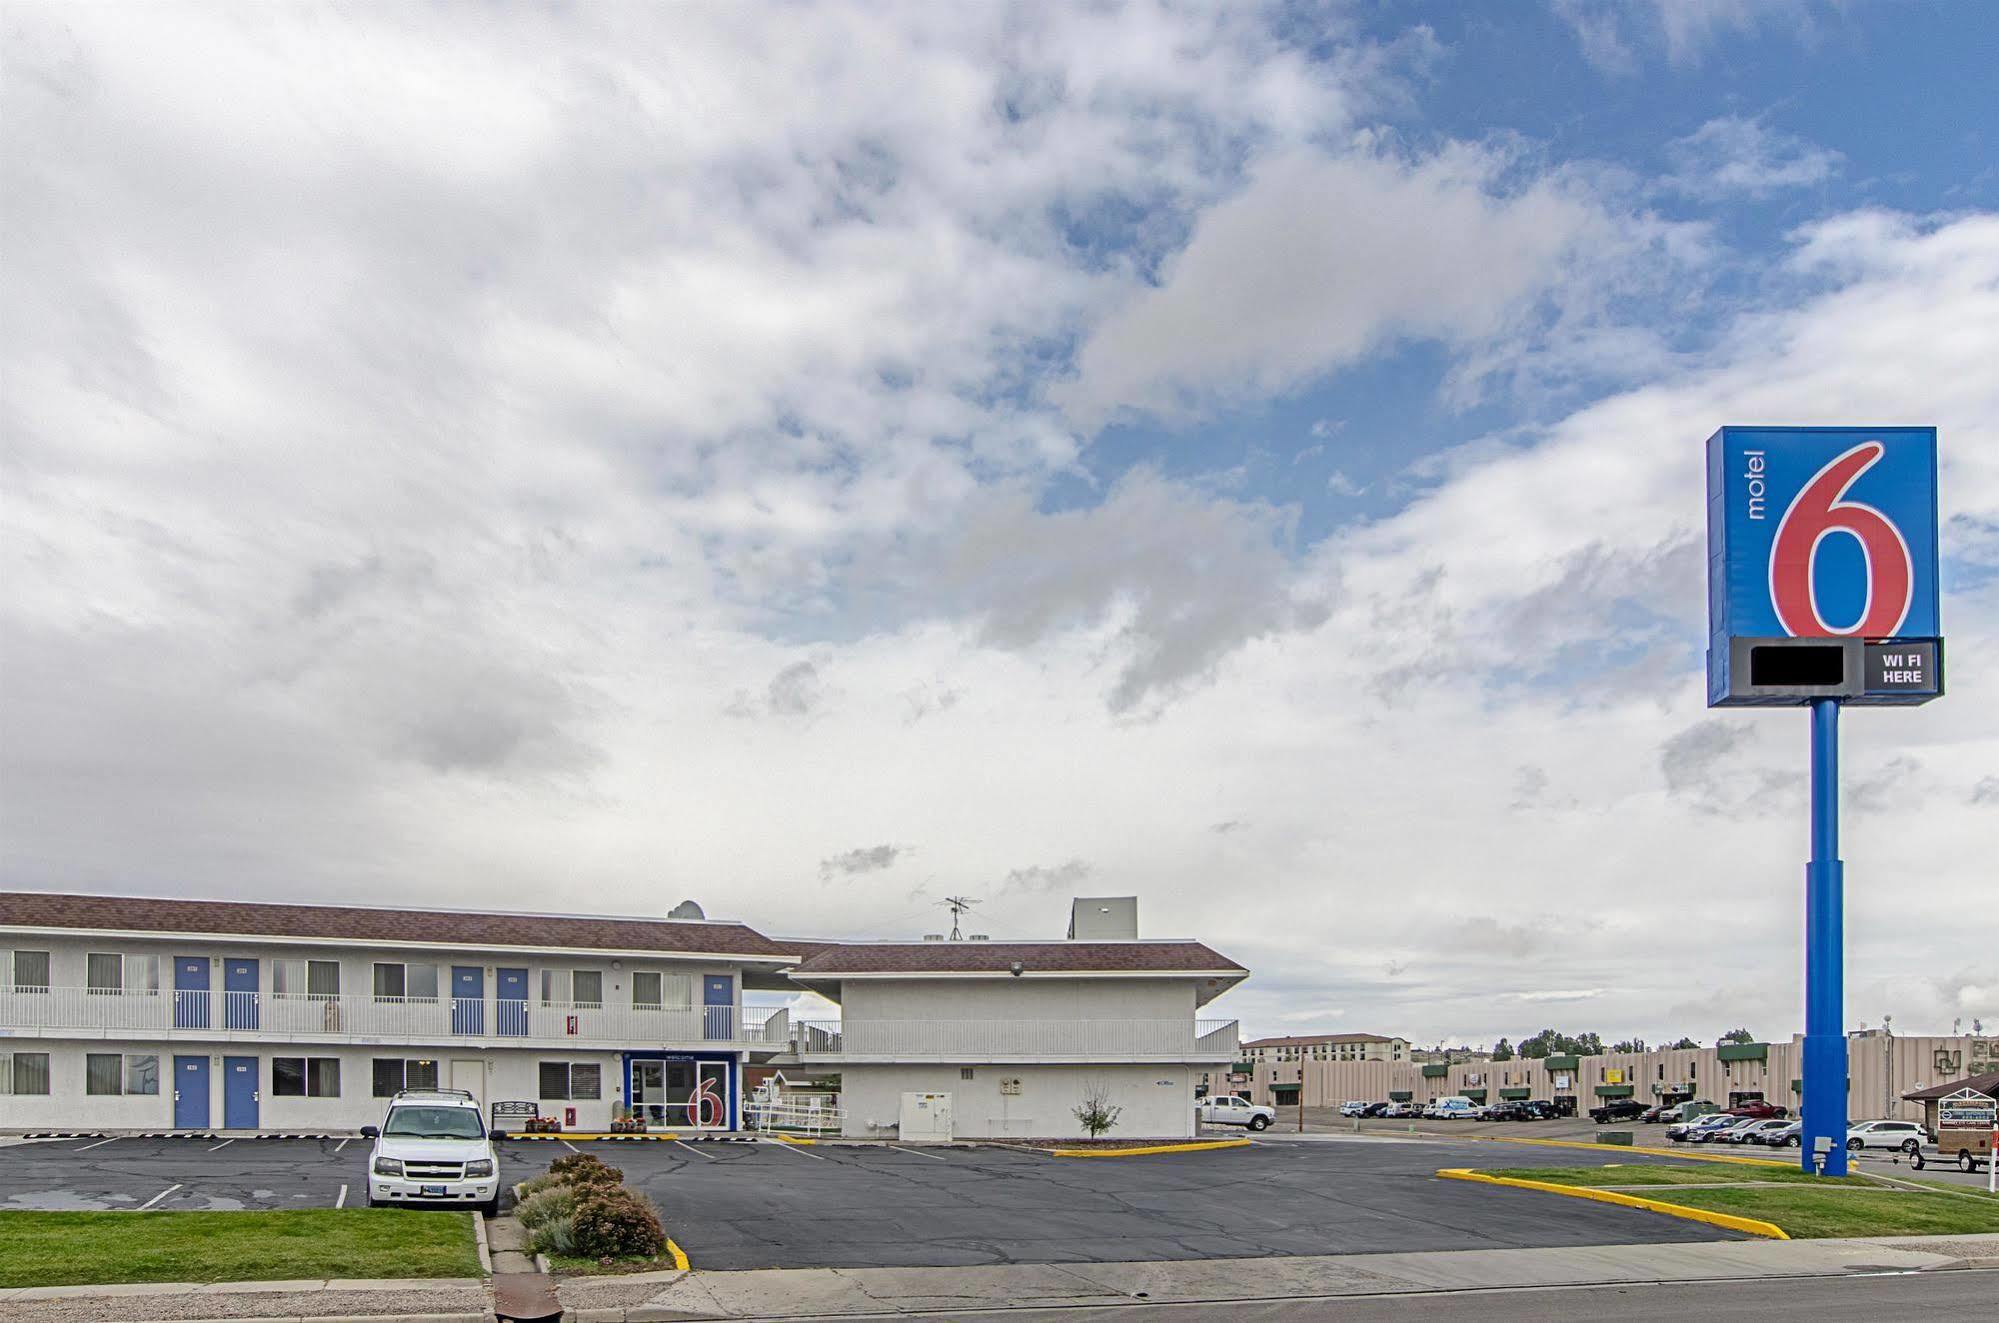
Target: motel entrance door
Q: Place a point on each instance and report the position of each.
(681, 1093)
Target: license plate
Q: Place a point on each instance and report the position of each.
(429, 1190)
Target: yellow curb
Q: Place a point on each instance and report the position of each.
(1754, 1227)
(591, 1134)
(679, 1254)
(789, 1139)
(1141, 1152)
(1689, 1154)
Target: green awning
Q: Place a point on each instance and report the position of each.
(1743, 1051)
(1613, 1090)
(1435, 1072)
(1516, 1095)
(1561, 1063)
(1400, 1095)
(1476, 1095)
(1245, 1068)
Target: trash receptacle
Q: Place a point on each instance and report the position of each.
(1614, 1137)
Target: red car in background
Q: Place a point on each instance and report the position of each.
(1758, 1110)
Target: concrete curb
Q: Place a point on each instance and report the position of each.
(485, 1249)
(301, 1286)
(1199, 1147)
(679, 1255)
(1748, 1225)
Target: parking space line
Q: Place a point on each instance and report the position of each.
(571, 1147)
(342, 1144)
(156, 1198)
(341, 1202)
(224, 1144)
(934, 1157)
(99, 1144)
(791, 1148)
(695, 1151)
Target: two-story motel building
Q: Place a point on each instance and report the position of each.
(134, 1013)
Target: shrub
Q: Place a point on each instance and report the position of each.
(1097, 1113)
(616, 1222)
(545, 1205)
(584, 1169)
(555, 1236)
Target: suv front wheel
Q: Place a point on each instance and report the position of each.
(1259, 1123)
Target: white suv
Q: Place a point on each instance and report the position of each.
(433, 1148)
(1905, 1135)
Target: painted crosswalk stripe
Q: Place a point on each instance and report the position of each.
(156, 1198)
(224, 1144)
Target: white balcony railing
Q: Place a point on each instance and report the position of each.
(307, 1017)
(916, 1040)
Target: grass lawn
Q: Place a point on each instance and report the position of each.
(1807, 1207)
(74, 1249)
(570, 1266)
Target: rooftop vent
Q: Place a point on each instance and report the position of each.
(977, 937)
(933, 937)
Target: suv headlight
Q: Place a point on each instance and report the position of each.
(479, 1167)
(388, 1166)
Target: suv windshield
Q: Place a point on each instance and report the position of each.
(434, 1123)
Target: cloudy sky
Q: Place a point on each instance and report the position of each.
(817, 459)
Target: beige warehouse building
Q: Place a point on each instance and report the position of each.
(1880, 1067)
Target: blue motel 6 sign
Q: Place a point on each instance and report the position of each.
(1825, 533)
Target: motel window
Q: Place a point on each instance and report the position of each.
(316, 979)
(25, 1074)
(392, 1075)
(397, 982)
(577, 987)
(305, 1077)
(109, 974)
(571, 1081)
(29, 971)
(112, 1073)
(654, 991)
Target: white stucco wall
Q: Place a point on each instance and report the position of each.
(503, 1075)
(1158, 1101)
(1025, 998)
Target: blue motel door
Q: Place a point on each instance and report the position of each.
(510, 1001)
(190, 992)
(239, 993)
(190, 1093)
(240, 1092)
(468, 999)
(718, 1006)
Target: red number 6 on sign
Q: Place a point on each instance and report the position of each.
(1815, 514)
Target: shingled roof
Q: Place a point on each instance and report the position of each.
(1986, 1084)
(998, 958)
(35, 909)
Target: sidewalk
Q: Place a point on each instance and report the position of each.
(432, 1300)
(832, 1292)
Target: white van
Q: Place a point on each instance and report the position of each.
(1456, 1108)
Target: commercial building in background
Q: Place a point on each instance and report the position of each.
(134, 1013)
(1882, 1068)
(1327, 1047)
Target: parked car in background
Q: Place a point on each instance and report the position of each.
(1510, 1111)
(1699, 1130)
(1904, 1135)
(1402, 1110)
(1788, 1134)
(1751, 1132)
(1689, 1111)
(1758, 1109)
(1455, 1108)
(1544, 1110)
(1377, 1109)
(1353, 1107)
(1234, 1111)
(1617, 1109)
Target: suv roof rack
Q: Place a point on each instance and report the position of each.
(466, 1094)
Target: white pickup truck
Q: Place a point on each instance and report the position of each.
(1234, 1111)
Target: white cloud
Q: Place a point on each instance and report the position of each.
(1321, 259)
(1733, 155)
(1614, 33)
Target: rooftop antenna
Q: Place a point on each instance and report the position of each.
(958, 905)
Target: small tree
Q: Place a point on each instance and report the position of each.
(1683, 1043)
(1502, 1051)
(1097, 1113)
(1736, 1036)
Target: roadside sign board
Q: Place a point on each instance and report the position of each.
(1822, 566)
(1966, 1121)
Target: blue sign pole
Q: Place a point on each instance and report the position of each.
(1824, 1078)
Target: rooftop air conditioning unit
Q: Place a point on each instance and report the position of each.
(977, 937)
(933, 937)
